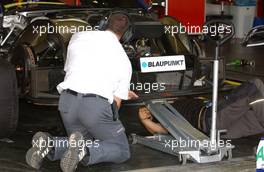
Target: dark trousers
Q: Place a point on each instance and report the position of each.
(238, 116)
(93, 117)
(235, 114)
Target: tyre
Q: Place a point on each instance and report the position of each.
(8, 99)
(21, 59)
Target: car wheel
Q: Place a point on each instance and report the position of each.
(8, 99)
(22, 58)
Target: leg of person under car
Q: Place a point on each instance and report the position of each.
(238, 115)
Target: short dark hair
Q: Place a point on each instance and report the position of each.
(118, 23)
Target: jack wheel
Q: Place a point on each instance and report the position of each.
(229, 155)
(183, 159)
(133, 139)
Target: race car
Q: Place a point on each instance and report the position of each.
(33, 45)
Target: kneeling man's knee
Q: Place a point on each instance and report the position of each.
(126, 155)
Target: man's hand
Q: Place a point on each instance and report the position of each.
(132, 95)
(144, 114)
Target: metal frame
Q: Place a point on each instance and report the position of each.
(181, 130)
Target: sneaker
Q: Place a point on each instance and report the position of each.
(39, 150)
(74, 154)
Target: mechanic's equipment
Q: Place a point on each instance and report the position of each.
(185, 141)
(216, 68)
(241, 62)
(232, 82)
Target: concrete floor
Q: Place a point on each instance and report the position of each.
(36, 118)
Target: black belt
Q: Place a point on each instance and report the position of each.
(84, 95)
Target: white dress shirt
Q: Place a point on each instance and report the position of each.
(97, 63)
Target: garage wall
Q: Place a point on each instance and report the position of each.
(189, 12)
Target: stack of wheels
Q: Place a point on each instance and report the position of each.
(8, 99)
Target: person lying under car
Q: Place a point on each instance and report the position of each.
(241, 112)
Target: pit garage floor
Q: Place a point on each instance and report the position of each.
(36, 118)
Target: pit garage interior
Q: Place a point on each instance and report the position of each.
(29, 108)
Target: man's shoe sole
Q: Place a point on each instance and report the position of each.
(70, 159)
(36, 153)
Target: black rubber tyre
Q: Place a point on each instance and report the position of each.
(8, 99)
